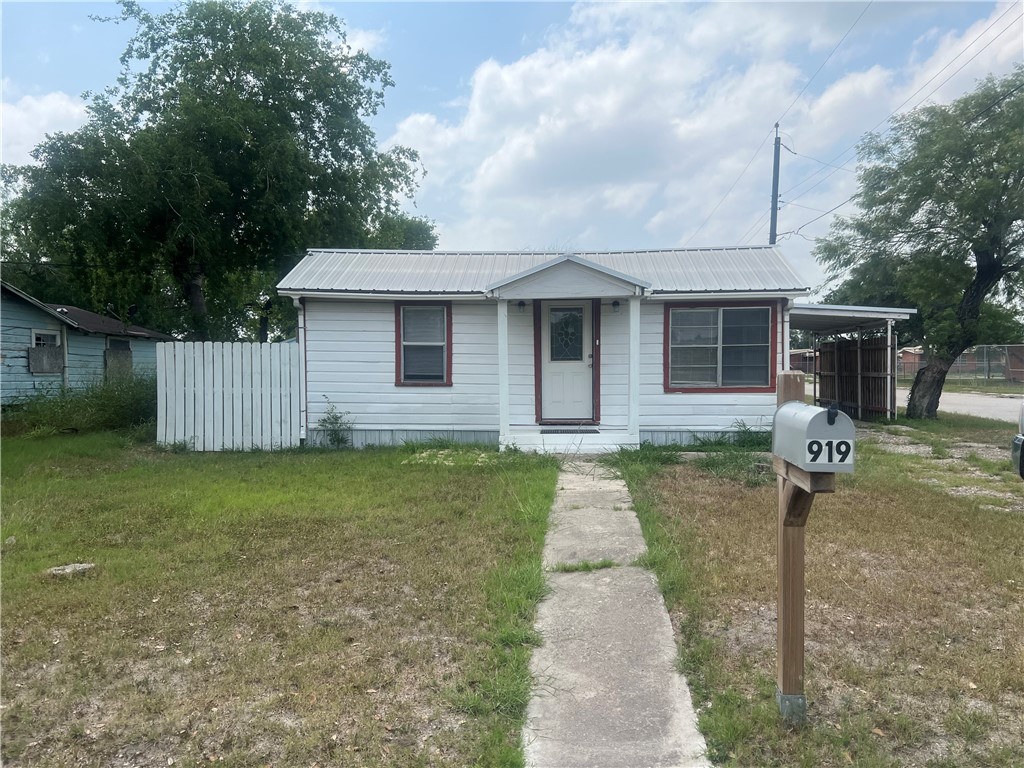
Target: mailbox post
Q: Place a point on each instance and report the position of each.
(809, 446)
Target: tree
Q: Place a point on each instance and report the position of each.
(235, 138)
(941, 224)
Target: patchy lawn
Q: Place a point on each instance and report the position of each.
(915, 604)
(297, 608)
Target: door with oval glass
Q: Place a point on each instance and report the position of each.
(567, 357)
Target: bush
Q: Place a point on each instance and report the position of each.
(127, 402)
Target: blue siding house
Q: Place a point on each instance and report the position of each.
(44, 347)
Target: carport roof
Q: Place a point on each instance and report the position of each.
(826, 319)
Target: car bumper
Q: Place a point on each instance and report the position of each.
(1017, 452)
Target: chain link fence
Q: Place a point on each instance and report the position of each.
(994, 366)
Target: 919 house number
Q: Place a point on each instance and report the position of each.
(828, 451)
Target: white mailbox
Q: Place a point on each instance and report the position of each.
(812, 438)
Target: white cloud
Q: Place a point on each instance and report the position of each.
(631, 121)
(27, 119)
(369, 40)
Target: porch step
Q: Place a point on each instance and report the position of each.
(568, 441)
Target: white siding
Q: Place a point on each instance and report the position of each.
(614, 365)
(350, 361)
(700, 411)
(522, 409)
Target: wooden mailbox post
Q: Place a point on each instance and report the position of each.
(797, 488)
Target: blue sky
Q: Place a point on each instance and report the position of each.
(596, 125)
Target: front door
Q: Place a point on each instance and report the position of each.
(567, 357)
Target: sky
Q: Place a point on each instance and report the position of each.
(596, 125)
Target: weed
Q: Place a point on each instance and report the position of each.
(584, 566)
(124, 402)
(335, 425)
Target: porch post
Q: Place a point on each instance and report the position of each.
(502, 371)
(634, 368)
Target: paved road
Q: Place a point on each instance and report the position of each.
(1002, 407)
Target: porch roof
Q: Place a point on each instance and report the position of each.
(826, 319)
(760, 269)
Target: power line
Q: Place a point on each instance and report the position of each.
(921, 88)
(816, 160)
(729, 191)
(822, 65)
(821, 216)
(995, 103)
(805, 207)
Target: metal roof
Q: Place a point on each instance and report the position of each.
(693, 270)
(840, 318)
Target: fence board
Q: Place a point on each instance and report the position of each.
(215, 396)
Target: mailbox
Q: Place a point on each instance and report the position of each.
(813, 439)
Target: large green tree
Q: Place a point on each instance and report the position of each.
(235, 138)
(941, 225)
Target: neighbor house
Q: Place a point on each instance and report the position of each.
(548, 351)
(49, 346)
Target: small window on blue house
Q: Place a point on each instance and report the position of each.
(45, 339)
(45, 356)
(423, 352)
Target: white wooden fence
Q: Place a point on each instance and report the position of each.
(214, 396)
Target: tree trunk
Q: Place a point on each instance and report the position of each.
(196, 294)
(265, 308)
(924, 395)
(927, 388)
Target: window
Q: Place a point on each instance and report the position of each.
(45, 356)
(121, 345)
(718, 347)
(45, 339)
(423, 344)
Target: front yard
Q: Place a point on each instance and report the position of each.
(914, 606)
(298, 608)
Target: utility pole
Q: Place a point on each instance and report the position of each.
(774, 231)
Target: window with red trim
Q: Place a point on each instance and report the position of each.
(423, 336)
(718, 347)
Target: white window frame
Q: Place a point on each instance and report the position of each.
(446, 346)
(45, 332)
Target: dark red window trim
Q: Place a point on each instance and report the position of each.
(448, 344)
(595, 319)
(773, 354)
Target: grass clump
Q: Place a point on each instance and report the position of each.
(584, 566)
(120, 403)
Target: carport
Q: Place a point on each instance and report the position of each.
(854, 356)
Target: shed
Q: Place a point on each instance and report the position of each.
(855, 356)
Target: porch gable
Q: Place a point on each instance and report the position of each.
(568, 277)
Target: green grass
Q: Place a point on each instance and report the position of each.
(584, 566)
(301, 607)
(913, 607)
(963, 427)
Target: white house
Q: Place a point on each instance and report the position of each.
(545, 351)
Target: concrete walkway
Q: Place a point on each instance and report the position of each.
(606, 692)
